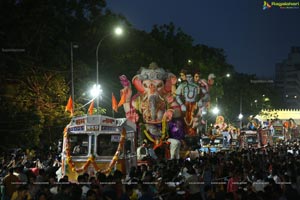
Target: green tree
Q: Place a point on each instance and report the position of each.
(34, 106)
(33, 98)
(244, 93)
(35, 63)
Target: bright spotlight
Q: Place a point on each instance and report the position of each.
(118, 31)
(96, 91)
(215, 110)
(241, 116)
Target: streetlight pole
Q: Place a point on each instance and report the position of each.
(241, 115)
(72, 72)
(97, 67)
(227, 76)
(118, 31)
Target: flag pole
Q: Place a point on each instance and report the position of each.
(112, 106)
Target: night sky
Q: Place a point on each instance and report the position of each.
(254, 39)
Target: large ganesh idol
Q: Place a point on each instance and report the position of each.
(154, 105)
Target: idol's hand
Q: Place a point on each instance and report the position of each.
(183, 108)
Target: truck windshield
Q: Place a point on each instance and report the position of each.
(205, 141)
(217, 141)
(251, 140)
(79, 144)
(107, 144)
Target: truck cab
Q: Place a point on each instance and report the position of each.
(249, 139)
(98, 143)
(278, 132)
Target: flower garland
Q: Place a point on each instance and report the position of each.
(91, 159)
(160, 142)
(116, 156)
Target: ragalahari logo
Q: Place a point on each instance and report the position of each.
(281, 5)
(266, 5)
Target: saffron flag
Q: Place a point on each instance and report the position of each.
(123, 98)
(114, 103)
(69, 106)
(91, 108)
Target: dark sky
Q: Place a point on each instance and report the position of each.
(254, 39)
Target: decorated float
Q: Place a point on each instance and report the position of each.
(285, 121)
(168, 113)
(222, 137)
(97, 143)
(278, 124)
(164, 112)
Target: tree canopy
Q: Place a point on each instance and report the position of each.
(36, 38)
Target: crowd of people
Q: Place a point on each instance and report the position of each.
(268, 173)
